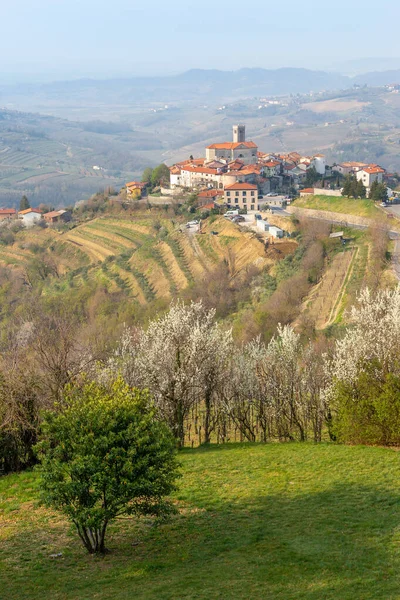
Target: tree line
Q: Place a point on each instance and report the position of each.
(206, 387)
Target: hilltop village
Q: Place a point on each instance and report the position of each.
(240, 174)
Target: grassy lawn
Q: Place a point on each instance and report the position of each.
(349, 206)
(271, 522)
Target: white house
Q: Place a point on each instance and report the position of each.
(370, 174)
(30, 216)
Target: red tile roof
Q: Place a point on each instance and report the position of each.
(191, 169)
(52, 214)
(241, 186)
(8, 211)
(136, 184)
(232, 145)
(30, 210)
(210, 193)
(372, 169)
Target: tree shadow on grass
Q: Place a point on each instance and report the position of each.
(339, 544)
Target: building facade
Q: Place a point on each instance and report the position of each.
(242, 196)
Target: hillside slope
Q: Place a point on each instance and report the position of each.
(145, 257)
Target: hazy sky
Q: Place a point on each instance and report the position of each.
(59, 39)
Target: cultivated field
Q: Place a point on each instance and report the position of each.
(278, 521)
(145, 257)
(322, 305)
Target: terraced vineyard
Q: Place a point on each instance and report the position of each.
(146, 257)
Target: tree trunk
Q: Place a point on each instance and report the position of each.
(207, 419)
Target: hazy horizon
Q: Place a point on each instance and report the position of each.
(74, 39)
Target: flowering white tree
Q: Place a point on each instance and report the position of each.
(373, 335)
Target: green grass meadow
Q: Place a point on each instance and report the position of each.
(361, 207)
(288, 521)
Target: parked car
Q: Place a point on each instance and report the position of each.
(271, 195)
(238, 219)
(231, 213)
(383, 204)
(190, 223)
(214, 233)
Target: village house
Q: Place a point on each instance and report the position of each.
(209, 196)
(370, 174)
(7, 214)
(134, 189)
(55, 216)
(30, 216)
(242, 195)
(346, 168)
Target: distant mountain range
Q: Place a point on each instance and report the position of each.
(191, 86)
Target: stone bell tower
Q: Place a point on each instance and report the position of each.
(239, 133)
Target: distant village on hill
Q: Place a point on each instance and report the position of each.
(237, 175)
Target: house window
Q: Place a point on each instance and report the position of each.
(228, 193)
(236, 200)
(252, 207)
(252, 193)
(236, 193)
(244, 193)
(244, 200)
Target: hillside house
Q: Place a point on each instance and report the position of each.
(347, 168)
(30, 216)
(242, 195)
(370, 174)
(206, 197)
(55, 216)
(134, 189)
(7, 213)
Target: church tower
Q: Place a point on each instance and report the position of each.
(239, 133)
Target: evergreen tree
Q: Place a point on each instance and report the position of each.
(373, 191)
(348, 186)
(382, 192)
(24, 203)
(311, 176)
(361, 190)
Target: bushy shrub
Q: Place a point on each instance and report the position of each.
(368, 410)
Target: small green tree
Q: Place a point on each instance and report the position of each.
(360, 189)
(312, 176)
(160, 175)
(373, 191)
(147, 173)
(24, 203)
(103, 455)
(348, 186)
